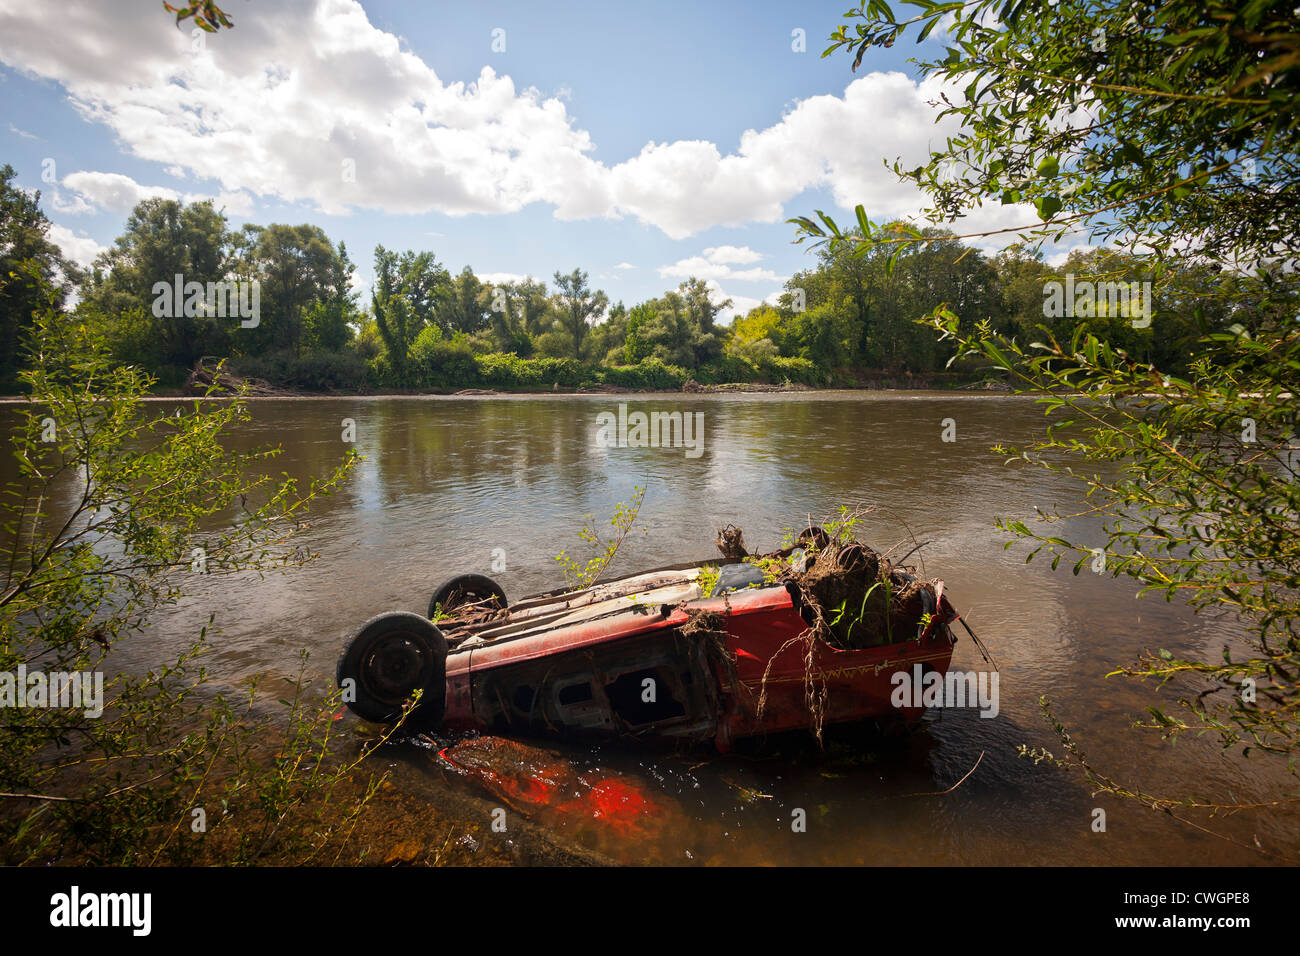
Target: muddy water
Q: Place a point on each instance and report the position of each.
(451, 484)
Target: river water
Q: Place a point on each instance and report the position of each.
(452, 485)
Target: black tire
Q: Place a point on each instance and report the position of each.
(466, 589)
(390, 657)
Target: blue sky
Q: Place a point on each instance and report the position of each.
(641, 142)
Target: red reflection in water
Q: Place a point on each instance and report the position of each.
(543, 785)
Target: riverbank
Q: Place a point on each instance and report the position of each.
(691, 387)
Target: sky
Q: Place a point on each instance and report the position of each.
(643, 143)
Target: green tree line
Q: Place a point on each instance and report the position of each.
(848, 319)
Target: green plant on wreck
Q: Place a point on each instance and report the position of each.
(708, 579)
(585, 574)
(840, 611)
(771, 567)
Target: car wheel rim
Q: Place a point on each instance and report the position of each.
(395, 666)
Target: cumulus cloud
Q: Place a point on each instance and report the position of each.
(113, 191)
(729, 254)
(715, 263)
(308, 101)
(70, 205)
(118, 193)
(79, 249)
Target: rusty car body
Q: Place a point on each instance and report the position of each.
(703, 651)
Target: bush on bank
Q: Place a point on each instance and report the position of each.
(443, 365)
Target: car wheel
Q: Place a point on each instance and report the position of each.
(466, 589)
(389, 658)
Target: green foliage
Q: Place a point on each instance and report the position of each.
(584, 575)
(162, 239)
(1189, 111)
(708, 579)
(1181, 153)
(772, 568)
(565, 372)
(508, 371)
(800, 370)
(843, 527)
(1194, 479)
(117, 507)
(650, 374)
(25, 249)
(578, 307)
(861, 616)
(316, 370)
(409, 289)
(443, 363)
(462, 309)
(728, 368)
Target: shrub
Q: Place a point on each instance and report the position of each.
(506, 370)
(800, 370)
(728, 368)
(443, 363)
(650, 374)
(313, 371)
(565, 372)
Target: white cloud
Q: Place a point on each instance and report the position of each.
(1062, 253)
(70, 205)
(22, 132)
(118, 193)
(80, 249)
(715, 264)
(625, 265)
(742, 255)
(497, 278)
(740, 304)
(702, 268)
(308, 101)
(113, 191)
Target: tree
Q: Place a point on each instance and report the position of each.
(461, 309)
(298, 268)
(1172, 128)
(1181, 127)
(328, 322)
(524, 314)
(702, 313)
(395, 319)
(578, 306)
(636, 343)
(25, 249)
(162, 239)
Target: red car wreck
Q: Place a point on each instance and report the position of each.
(706, 651)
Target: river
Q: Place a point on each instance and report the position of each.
(452, 484)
